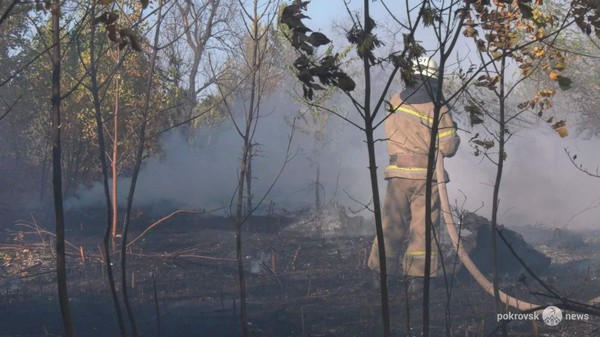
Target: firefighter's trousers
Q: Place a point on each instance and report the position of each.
(404, 220)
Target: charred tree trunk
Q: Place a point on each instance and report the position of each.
(102, 156)
(114, 160)
(431, 160)
(61, 270)
(44, 174)
(249, 181)
(385, 310)
(428, 221)
(445, 48)
(136, 170)
(369, 130)
(238, 241)
(497, 182)
(317, 192)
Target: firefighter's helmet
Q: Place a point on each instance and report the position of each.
(425, 66)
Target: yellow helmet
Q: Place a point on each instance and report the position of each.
(425, 66)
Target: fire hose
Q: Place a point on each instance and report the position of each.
(463, 255)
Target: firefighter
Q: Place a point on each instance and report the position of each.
(408, 132)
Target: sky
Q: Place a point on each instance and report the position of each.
(322, 11)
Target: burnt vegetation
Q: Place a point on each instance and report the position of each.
(210, 167)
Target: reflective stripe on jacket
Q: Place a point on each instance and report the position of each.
(408, 132)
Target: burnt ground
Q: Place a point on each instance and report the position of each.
(299, 283)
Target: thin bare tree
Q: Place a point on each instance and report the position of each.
(255, 69)
(61, 269)
(115, 157)
(94, 88)
(138, 163)
(201, 22)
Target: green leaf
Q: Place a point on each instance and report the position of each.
(318, 39)
(345, 83)
(305, 76)
(301, 62)
(486, 144)
(475, 113)
(306, 48)
(564, 82)
(526, 11)
(107, 18)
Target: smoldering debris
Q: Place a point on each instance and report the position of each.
(332, 221)
(561, 245)
(565, 239)
(478, 245)
(547, 252)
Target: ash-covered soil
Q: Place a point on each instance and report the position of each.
(306, 276)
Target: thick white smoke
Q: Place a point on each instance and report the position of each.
(540, 186)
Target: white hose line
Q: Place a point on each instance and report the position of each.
(463, 255)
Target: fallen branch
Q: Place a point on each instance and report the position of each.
(167, 217)
(175, 255)
(39, 229)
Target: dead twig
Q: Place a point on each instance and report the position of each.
(41, 230)
(294, 258)
(167, 217)
(274, 274)
(580, 167)
(176, 255)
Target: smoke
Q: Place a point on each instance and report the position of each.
(539, 186)
(202, 172)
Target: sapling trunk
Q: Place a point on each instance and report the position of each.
(238, 243)
(317, 192)
(136, 169)
(369, 130)
(61, 269)
(110, 208)
(249, 180)
(497, 183)
(115, 159)
(243, 173)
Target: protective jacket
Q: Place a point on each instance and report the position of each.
(408, 131)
